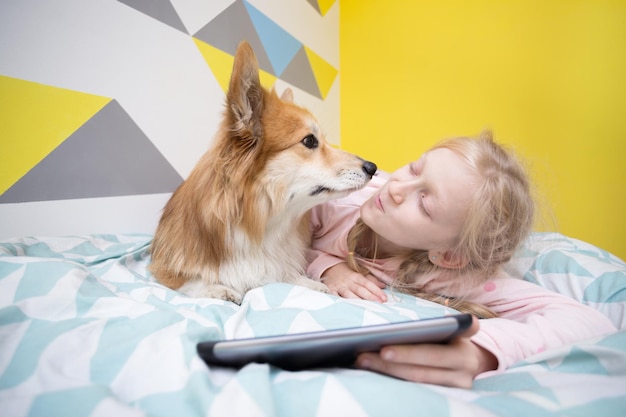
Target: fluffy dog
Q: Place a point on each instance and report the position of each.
(239, 220)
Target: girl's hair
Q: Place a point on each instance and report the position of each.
(499, 217)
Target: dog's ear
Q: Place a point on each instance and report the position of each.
(245, 95)
(287, 95)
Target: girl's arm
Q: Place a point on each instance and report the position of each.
(533, 319)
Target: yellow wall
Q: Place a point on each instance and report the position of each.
(549, 78)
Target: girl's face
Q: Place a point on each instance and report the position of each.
(424, 204)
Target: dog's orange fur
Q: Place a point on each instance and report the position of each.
(238, 221)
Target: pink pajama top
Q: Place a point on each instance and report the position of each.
(530, 319)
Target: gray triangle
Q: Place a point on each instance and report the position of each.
(161, 10)
(229, 28)
(315, 5)
(299, 74)
(107, 156)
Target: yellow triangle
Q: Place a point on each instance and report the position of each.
(325, 73)
(221, 63)
(34, 120)
(325, 5)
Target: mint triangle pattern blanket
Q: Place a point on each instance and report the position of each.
(86, 331)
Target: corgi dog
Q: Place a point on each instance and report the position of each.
(239, 220)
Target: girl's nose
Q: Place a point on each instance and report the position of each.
(400, 189)
(397, 191)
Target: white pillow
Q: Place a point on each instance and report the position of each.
(574, 268)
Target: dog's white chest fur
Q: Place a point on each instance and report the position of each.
(279, 257)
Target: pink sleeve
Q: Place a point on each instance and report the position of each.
(320, 262)
(531, 320)
(329, 229)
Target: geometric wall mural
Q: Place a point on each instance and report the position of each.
(279, 54)
(321, 6)
(107, 156)
(105, 107)
(34, 120)
(161, 10)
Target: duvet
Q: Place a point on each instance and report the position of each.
(85, 330)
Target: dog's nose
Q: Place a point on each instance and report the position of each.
(369, 168)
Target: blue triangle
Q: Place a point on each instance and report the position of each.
(279, 45)
(40, 277)
(90, 292)
(607, 288)
(38, 336)
(85, 249)
(7, 268)
(579, 361)
(120, 338)
(84, 400)
(559, 263)
(276, 294)
(12, 314)
(306, 405)
(198, 394)
(272, 322)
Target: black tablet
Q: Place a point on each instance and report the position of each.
(330, 348)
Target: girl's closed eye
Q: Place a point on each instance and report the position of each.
(421, 204)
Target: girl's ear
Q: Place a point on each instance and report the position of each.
(447, 259)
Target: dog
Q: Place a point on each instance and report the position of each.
(239, 221)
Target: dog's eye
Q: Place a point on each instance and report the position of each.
(310, 141)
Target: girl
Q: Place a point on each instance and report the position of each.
(440, 228)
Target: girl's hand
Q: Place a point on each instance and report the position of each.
(345, 282)
(455, 364)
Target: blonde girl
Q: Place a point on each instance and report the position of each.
(440, 228)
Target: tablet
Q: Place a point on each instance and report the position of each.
(330, 348)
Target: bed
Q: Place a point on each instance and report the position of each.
(86, 331)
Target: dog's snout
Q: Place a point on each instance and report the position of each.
(369, 168)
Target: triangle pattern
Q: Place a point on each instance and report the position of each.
(325, 73)
(300, 74)
(108, 156)
(219, 33)
(280, 46)
(34, 120)
(161, 10)
(196, 13)
(220, 62)
(322, 6)
(315, 5)
(279, 54)
(221, 65)
(325, 5)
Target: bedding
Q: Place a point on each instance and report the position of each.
(85, 330)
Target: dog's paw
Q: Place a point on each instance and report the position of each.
(312, 284)
(226, 294)
(221, 292)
